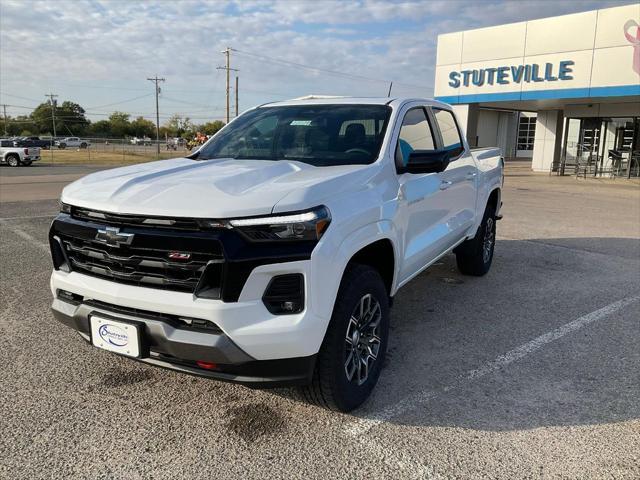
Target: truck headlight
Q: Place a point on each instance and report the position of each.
(306, 225)
(65, 208)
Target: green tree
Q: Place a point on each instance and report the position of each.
(70, 118)
(211, 128)
(141, 127)
(101, 128)
(15, 126)
(120, 124)
(177, 126)
(42, 117)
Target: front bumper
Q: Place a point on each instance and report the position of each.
(171, 345)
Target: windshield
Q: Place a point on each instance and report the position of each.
(320, 135)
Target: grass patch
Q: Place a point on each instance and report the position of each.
(92, 157)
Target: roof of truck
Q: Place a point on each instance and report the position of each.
(333, 100)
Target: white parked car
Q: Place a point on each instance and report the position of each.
(271, 256)
(72, 142)
(141, 141)
(16, 156)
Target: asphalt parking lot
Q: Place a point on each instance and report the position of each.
(532, 371)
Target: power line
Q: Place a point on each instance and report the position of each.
(120, 102)
(18, 96)
(266, 58)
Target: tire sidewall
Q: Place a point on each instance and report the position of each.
(13, 161)
(489, 214)
(349, 395)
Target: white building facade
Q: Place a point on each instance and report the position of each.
(564, 91)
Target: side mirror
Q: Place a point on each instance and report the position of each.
(429, 161)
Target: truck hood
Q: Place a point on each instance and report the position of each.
(220, 188)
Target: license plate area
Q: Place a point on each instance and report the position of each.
(117, 335)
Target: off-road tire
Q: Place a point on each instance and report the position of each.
(474, 257)
(330, 386)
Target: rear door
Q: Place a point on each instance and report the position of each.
(423, 206)
(459, 180)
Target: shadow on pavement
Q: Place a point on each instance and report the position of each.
(444, 325)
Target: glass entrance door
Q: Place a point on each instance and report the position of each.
(601, 146)
(582, 145)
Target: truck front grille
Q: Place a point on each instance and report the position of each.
(180, 255)
(143, 267)
(160, 258)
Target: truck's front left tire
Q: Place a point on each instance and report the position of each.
(354, 347)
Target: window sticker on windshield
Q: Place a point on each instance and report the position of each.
(304, 123)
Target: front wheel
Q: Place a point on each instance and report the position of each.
(62, 146)
(354, 347)
(474, 256)
(83, 145)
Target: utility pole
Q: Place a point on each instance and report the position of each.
(236, 95)
(4, 108)
(52, 99)
(227, 53)
(156, 80)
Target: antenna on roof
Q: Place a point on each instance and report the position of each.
(390, 87)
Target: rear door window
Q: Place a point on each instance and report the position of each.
(449, 131)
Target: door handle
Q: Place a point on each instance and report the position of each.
(445, 184)
(470, 175)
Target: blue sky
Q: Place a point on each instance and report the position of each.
(99, 53)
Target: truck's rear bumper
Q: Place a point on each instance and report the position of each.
(186, 350)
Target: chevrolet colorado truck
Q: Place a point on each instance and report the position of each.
(16, 156)
(271, 255)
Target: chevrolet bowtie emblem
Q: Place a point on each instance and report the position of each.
(112, 237)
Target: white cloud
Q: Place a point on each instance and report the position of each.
(81, 47)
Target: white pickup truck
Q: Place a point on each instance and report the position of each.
(271, 256)
(16, 156)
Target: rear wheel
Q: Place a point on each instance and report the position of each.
(83, 145)
(13, 160)
(474, 256)
(354, 347)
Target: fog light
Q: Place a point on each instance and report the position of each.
(285, 294)
(69, 297)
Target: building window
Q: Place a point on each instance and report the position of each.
(526, 132)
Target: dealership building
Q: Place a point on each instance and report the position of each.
(563, 91)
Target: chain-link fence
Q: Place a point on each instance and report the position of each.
(88, 150)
